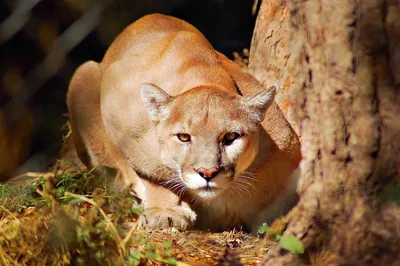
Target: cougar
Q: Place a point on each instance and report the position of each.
(200, 141)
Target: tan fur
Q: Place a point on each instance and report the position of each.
(161, 77)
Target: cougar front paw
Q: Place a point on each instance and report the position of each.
(178, 217)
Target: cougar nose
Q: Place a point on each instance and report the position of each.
(208, 174)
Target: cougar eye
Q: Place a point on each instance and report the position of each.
(230, 137)
(183, 137)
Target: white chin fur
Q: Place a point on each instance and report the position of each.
(194, 181)
(209, 193)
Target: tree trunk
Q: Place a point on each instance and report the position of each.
(337, 64)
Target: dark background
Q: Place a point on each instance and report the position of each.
(42, 42)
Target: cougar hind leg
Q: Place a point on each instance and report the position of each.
(91, 140)
(83, 99)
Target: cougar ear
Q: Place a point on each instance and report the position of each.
(156, 100)
(260, 102)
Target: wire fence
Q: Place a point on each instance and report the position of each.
(20, 86)
(53, 61)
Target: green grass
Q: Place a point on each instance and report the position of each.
(64, 220)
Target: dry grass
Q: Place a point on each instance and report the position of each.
(56, 220)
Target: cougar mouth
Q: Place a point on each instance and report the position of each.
(209, 188)
(208, 192)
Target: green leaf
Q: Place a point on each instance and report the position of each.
(135, 254)
(134, 257)
(138, 210)
(168, 252)
(150, 247)
(60, 191)
(262, 229)
(75, 201)
(167, 244)
(170, 261)
(151, 256)
(133, 261)
(292, 244)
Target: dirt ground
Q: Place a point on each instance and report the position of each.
(206, 248)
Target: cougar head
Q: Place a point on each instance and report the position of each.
(206, 136)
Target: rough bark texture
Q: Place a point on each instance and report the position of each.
(337, 63)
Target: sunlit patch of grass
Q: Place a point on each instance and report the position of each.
(17, 196)
(59, 219)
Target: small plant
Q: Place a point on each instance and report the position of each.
(269, 232)
(292, 244)
(262, 229)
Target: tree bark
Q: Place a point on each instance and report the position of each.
(337, 64)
